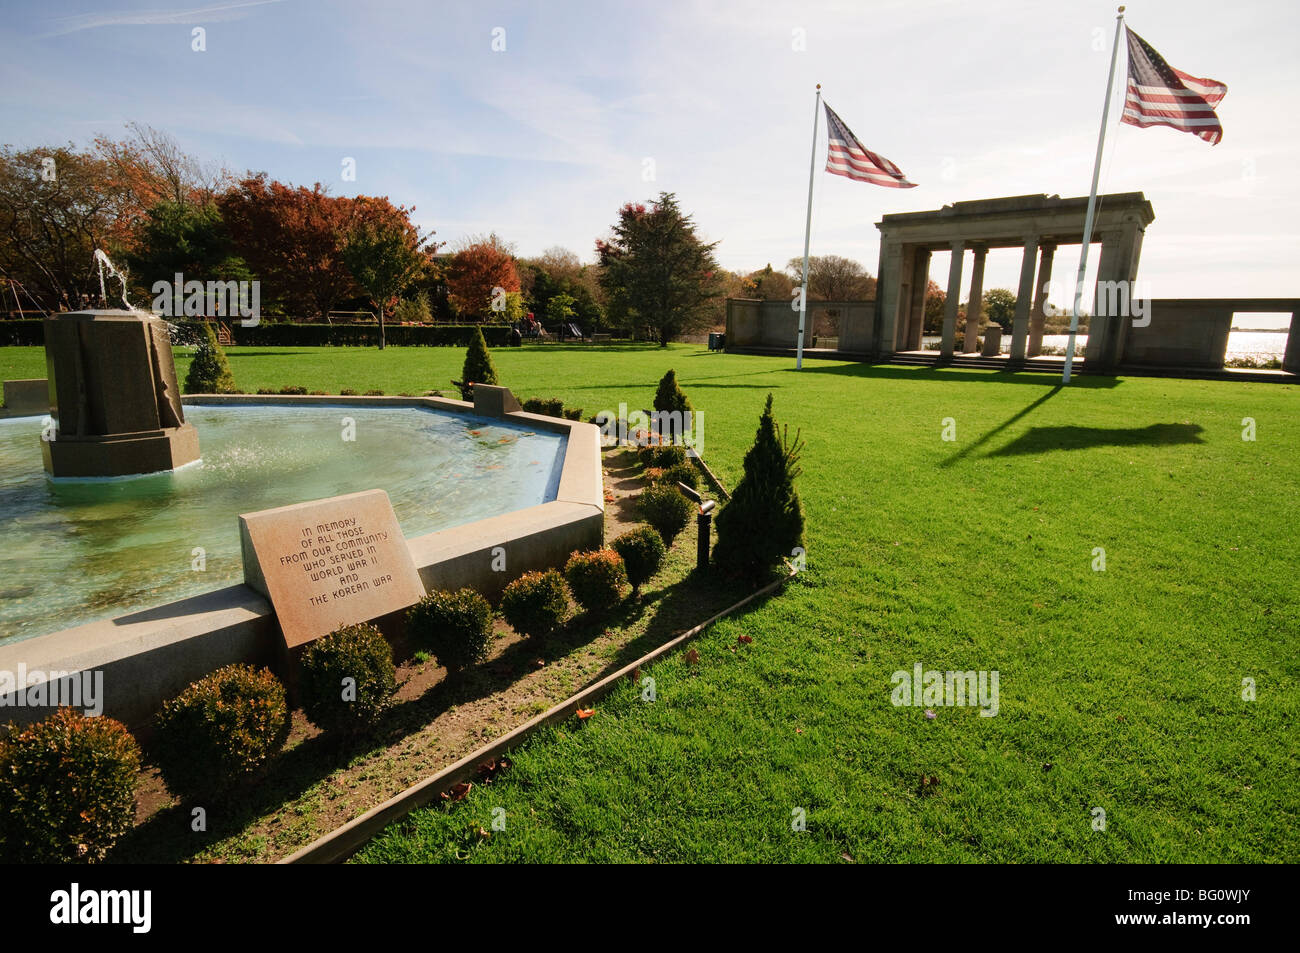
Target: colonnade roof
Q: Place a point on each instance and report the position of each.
(1011, 221)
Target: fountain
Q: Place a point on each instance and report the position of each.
(113, 393)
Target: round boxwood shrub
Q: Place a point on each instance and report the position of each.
(678, 473)
(643, 553)
(596, 579)
(663, 507)
(348, 679)
(661, 455)
(221, 730)
(536, 603)
(455, 626)
(67, 789)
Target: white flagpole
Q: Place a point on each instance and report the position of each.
(1092, 205)
(807, 233)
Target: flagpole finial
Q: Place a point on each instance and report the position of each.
(819, 85)
(1121, 10)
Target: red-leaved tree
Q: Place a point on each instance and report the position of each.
(477, 270)
(293, 239)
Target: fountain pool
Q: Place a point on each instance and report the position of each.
(75, 551)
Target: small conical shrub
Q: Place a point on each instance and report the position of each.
(669, 396)
(763, 523)
(479, 368)
(209, 371)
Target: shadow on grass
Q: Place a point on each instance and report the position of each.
(1030, 408)
(1044, 439)
(955, 375)
(237, 353)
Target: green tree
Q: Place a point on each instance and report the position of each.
(478, 368)
(384, 258)
(657, 271)
(186, 238)
(1000, 306)
(764, 522)
(209, 371)
(669, 395)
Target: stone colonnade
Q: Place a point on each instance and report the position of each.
(1036, 224)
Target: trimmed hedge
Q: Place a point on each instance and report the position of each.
(285, 334)
(536, 604)
(67, 789)
(22, 332)
(643, 553)
(455, 626)
(663, 506)
(221, 730)
(596, 579)
(356, 652)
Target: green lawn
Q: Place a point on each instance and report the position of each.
(1119, 690)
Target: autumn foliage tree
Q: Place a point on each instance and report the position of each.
(56, 207)
(293, 238)
(478, 269)
(657, 271)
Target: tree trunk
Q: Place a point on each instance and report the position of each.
(381, 327)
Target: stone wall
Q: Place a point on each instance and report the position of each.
(774, 324)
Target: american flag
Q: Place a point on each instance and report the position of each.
(1159, 95)
(848, 157)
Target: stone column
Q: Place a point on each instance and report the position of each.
(1291, 359)
(890, 305)
(1116, 265)
(1024, 300)
(975, 302)
(915, 325)
(1037, 315)
(948, 345)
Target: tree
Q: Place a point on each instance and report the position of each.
(56, 207)
(481, 273)
(657, 271)
(560, 307)
(1000, 306)
(669, 396)
(935, 301)
(155, 169)
(384, 258)
(767, 284)
(189, 239)
(834, 278)
(293, 238)
(478, 367)
(209, 371)
(763, 522)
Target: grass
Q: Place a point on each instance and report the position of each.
(1120, 690)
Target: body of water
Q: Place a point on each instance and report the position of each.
(77, 551)
(1255, 344)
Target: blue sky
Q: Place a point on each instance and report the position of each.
(542, 142)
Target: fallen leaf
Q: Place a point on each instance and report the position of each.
(692, 657)
(745, 639)
(585, 713)
(458, 791)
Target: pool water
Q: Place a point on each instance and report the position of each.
(76, 551)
